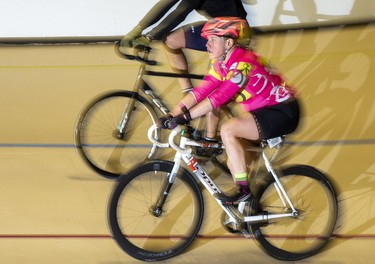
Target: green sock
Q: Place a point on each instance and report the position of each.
(241, 178)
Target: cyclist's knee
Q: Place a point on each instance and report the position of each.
(174, 42)
(227, 131)
(213, 114)
(233, 129)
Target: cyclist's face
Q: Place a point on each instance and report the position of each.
(215, 47)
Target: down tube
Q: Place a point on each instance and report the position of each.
(201, 174)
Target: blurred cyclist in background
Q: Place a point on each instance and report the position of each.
(187, 36)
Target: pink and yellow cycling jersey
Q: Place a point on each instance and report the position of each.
(246, 78)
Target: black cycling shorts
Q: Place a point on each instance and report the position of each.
(277, 120)
(193, 37)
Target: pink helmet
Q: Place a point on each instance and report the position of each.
(231, 27)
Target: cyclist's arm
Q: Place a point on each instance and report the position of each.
(220, 92)
(226, 91)
(207, 86)
(195, 109)
(213, 92)
(218, 96)
(197, 95)
(174, 18)
(156, 12)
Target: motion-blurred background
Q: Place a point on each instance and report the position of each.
(55, 56)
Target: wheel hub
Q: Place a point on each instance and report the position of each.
(156, 211)
(118, 135)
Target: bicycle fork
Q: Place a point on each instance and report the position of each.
(157, 209)
(125, 117)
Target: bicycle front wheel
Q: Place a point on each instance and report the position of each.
(97, 135)
(146, 228)
(299, 237)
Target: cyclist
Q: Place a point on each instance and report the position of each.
(269, 105)
(188, 36)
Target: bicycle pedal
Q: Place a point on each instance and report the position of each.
(228, 203)
(237, 229)
(232, 228)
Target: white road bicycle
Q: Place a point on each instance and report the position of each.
(156, 210)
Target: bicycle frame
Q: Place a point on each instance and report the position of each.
(141, 85)
(184, 152)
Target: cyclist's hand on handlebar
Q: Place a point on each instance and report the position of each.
(134, 42)
(182, 119)
(143, 40)
(178, 120)
(127, 40)
(170, 122)
(164, 121)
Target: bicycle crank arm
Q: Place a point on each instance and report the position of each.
(265, 217)
(234, 215)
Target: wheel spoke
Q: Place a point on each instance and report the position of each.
(97, 140)
(294, 238)
(142, 233)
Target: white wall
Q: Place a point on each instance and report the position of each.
(61, 18)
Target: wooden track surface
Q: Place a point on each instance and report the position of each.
(54, 206)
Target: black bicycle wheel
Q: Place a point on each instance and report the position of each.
(313, 196)
(144, 232)
(96, 133)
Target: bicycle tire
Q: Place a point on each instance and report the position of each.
(96, 128)
(135, 228)
(314, 198)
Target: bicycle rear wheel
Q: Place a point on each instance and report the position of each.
(146, 231)
(314, 198)
(96, 133)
